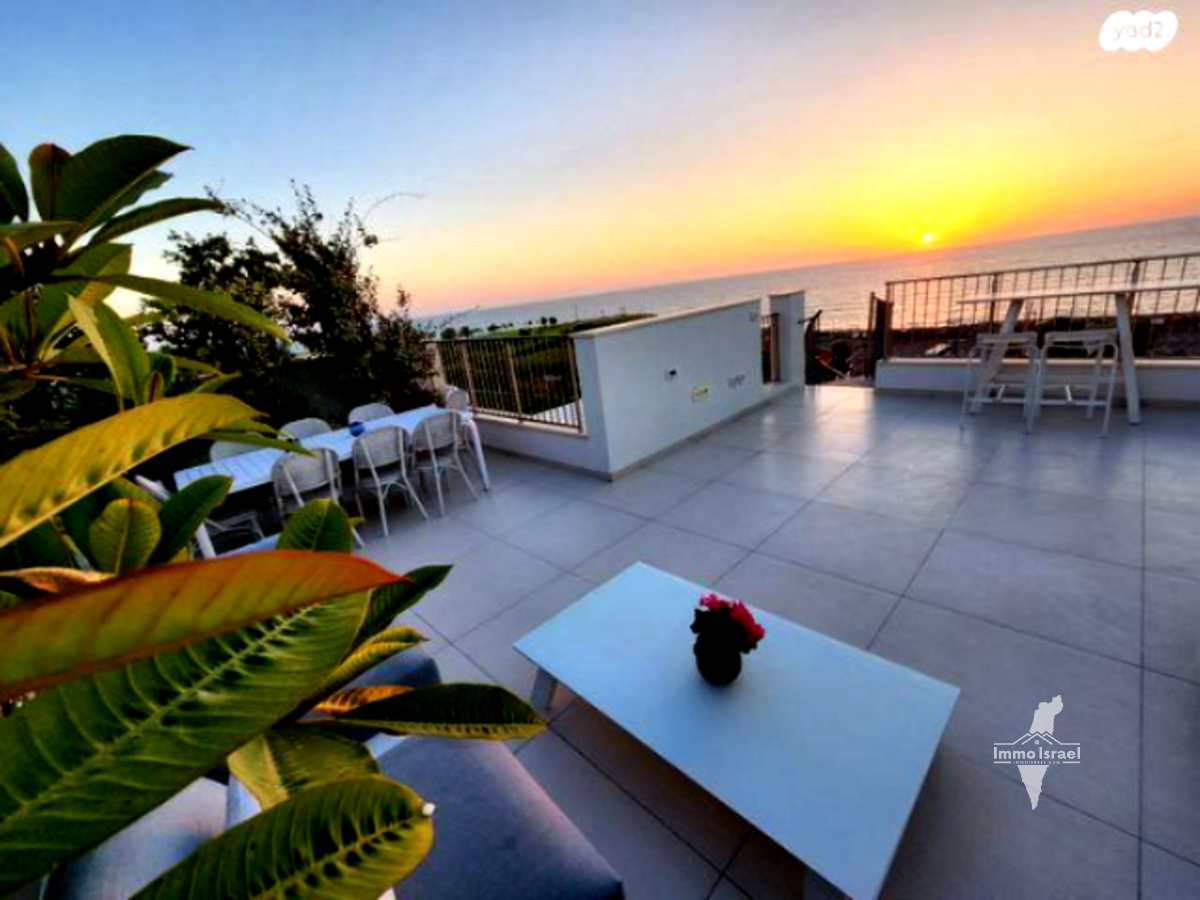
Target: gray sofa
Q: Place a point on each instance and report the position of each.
(498, 834)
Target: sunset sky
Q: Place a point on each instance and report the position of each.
(562, 148)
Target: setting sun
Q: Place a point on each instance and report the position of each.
(928, 238)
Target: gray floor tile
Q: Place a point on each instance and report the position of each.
(1173, 542)
(574, 484)
(745, 434)
(653, 861)
(958, 458)
(499, 512)
(823, 440)
(420, 543)
(681, 553)
(881, 551)
(766, 871)
(703, 822)
(1170, 776)
(1173, 626)
(734, 514)
(1111, 477)
(783, 473)
(841, 609)
(507, 469)
(1088, 604)
(1174, 448)
(490, 646)
(974, 835)
(456, 668)
(1004, 675)
(902, 493)
(1110, 531)
(727, 890)
(486, 582)
(1174, 487)
(570, 534)
(702, 461)
(646, 492)
(1167, 877)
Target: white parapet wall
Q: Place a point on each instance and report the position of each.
(651, 384)
(1159, 380)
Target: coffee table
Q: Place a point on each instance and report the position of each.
(821, 746)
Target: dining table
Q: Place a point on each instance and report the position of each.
(253, 469)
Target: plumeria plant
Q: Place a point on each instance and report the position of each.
(728, 621)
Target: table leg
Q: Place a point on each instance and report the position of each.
(544, 685)
(1133, 400)
(477, 449)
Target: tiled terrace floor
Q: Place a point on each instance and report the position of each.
(1018, 568)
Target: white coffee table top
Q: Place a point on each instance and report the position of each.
(821, 746)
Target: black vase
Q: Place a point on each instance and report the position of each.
(719, 662)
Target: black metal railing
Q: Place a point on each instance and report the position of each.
(940, 316)
(528, 379)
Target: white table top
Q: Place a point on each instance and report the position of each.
(821, 746)
(1099, 290)
(253, 469)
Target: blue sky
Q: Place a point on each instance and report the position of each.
(565, 147)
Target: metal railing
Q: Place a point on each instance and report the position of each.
(527, 379)
(925, 317)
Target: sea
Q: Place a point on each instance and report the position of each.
(842, 291)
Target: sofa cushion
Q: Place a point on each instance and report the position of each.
(497, 834)
(131, 859)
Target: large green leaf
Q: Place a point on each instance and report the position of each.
(257, 440)
(286, 759)
(54, 312)
(216, 383)
(38, 483)
(167, 607)
(96, 178)
(345, 841)
(43, 546)
(480, 711)
(185, 512)
(46, 164)
(27, 234)
(83, 760)
(14, 202)
(210, 302)
(389, 602)
(124, 536)
(319, 525)
(119, 347)
(381, 647)
(152, 213)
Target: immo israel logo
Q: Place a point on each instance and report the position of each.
(1037, 749)
(1143, 30)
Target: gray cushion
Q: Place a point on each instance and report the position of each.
(497, 834)
(131, 859)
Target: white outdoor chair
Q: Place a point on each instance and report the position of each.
(225, 449)
(244, 521)
(303, 428)
(369, 412)
(989, 380)
(1092, 345)
(457, 399)
(436, 442)
(299, 478)
(381, 462)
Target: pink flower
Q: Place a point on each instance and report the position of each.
(739, 613)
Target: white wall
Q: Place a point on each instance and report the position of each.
(1159, 380)
(651, 384)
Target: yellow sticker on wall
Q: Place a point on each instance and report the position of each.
(701, 392)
